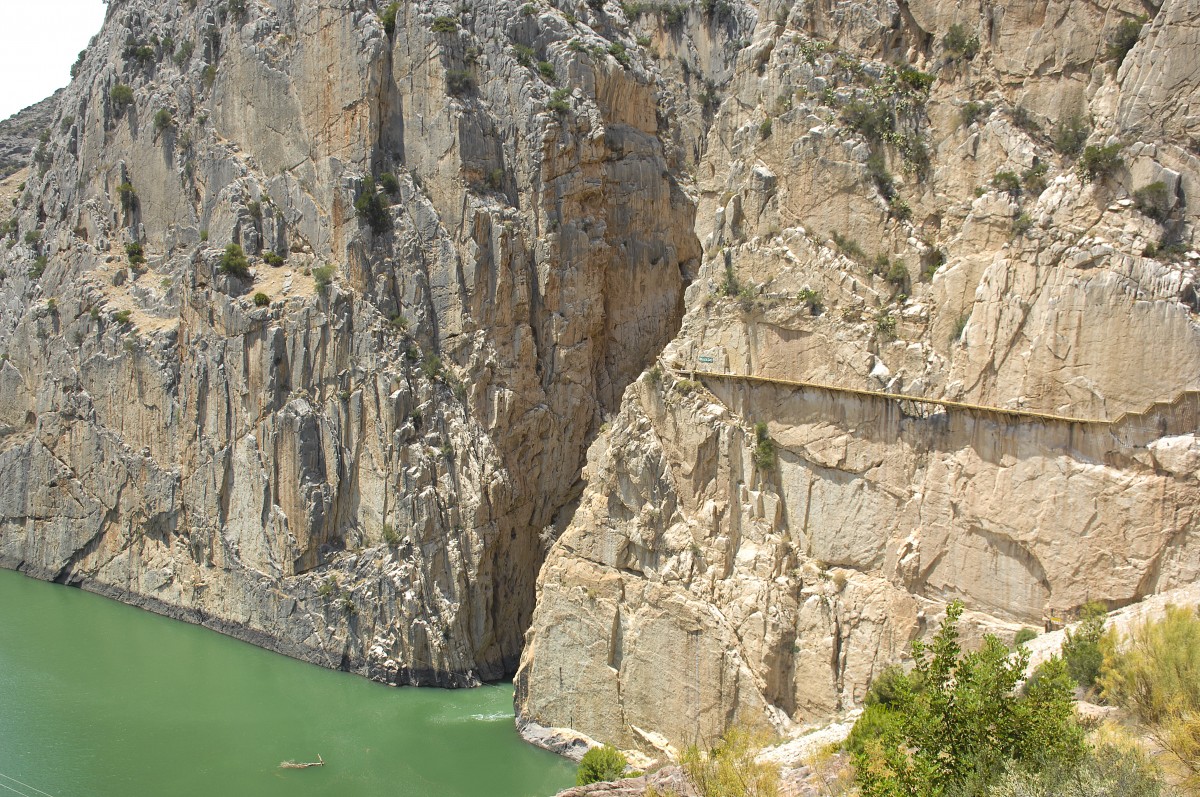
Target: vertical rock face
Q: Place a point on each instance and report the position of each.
(894, 199)
(313, 312)
(354, 467)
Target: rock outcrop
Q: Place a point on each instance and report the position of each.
(905, 199)
(349, 447)
(22, 133)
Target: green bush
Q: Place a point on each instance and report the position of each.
(273, 258)
(389, 183)
(973, 111)
(431, 366)
(1081, 649)
(546, 70)
(1071, 134)
(39, 267)
(600, 764)
(162, 119)
(1024, 635)
(958, 721)
(764, 448)
(525, 54)
(127, 196)
(183, 53)
(764, 129)
(323, 276)
(559, 101)
(261, 299)
(872, 120)
(121, 97)
(135, 253)
(848, 246)
(1033, 179)
(1023, 119)
(617, 51)
(459, 82)
(897, 274)
(811, 298)
(960, 324)
(1153, 200)
(1099, 162)
(390, 535)
(1156, 673)
(958, 44)
(445, 25)
(122, 316)
(887, 689)
(1022, 224)
(234, 262)
(876, 721)
(900, 209)
(388, 18)
(1122, 40)
(1008, 182)
(1107, 770)
(371, 208)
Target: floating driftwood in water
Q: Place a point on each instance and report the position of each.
(320, 762)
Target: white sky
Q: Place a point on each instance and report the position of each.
(39, 40)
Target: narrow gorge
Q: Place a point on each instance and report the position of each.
(684, 360)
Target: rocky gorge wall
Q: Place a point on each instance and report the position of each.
(357, 467)
(893, 198)
(490, 245)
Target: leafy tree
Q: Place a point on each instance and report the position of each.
(1099, 162)
(957, 721)
(388, 17)
(371, 207)
(121, 96)
(1123, 39)
(234, 261)
(322, 277)
(1081, 650)
(764, 448)
(600, 763)
(958, 43)
(135, 253)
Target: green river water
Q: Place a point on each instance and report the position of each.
(98, 698)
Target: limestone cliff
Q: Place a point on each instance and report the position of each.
(465, 237)
(988, 205)
(314, 312)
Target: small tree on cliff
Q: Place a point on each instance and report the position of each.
(958, 721)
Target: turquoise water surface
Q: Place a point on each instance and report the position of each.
(98, 698)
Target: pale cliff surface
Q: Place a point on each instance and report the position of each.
(357, 474)
(698, 585)
(367, 473)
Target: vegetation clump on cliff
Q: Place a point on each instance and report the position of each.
(600, 763)
(958, 721)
